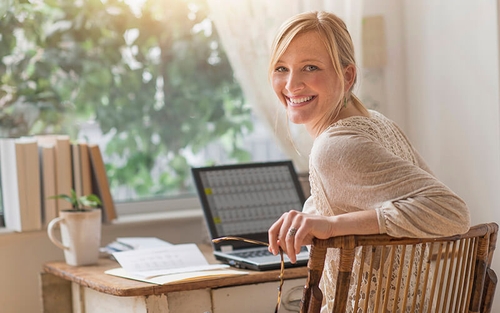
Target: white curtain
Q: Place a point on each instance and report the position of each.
(247, 28)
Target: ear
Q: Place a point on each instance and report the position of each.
(349, 76)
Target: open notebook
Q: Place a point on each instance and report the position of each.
(244, 200)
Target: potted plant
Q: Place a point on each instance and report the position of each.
(80, 204)
(80, 226)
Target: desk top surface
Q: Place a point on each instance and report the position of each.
(94, 277)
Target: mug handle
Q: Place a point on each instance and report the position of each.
(50, 232)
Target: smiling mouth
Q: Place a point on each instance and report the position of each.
(298, 101)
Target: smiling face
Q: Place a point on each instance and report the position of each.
(305, 81)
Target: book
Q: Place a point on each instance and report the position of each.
(100, 183)
(199, 275)
(2, 222)
(168, 264)
(12, 212)
(85, 168)
(48, 181)
(64, 173)
(28, 170)
(76, 168)
(20, 174)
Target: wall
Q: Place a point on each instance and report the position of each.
(23, 254)
(387, 85)
(453, 98)
(441, 85)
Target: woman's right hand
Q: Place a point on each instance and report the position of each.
(295, 229)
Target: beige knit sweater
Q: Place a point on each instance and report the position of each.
(362, 163)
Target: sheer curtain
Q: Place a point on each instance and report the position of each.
(246, 28)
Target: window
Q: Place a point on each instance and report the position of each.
(147, 80)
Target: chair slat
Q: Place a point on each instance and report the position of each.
(360, 278)
(463, 276)
(444, 270)
(430, 246)
(399, 277)
(421, 261)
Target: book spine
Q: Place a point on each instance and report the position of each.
(76, 169)
(64, 175)
(86, 168)
(28, 178)
(101, 185)
(10, 185)
(48, 182)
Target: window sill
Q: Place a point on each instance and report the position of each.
(157, 218)
(143, 219)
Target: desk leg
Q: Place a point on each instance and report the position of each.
(78, 296)
(56, 294)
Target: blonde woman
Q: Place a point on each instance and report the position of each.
(365, 176)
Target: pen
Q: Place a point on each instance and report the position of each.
(130, 247)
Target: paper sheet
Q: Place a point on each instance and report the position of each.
(165, 260)
(142, 242)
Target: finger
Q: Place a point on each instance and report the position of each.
(304, 233)
(291, 222)
(283, 233)
(290, 243)
(300, 238)
(273, 234)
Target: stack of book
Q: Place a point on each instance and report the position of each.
(33, 169)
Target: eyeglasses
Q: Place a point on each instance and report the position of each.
(257, 242)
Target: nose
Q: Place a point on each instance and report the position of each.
(294, 81)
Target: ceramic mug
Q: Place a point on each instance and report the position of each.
(80, 235)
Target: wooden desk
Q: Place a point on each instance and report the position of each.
(87, 289)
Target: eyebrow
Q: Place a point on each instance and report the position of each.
(305, 61)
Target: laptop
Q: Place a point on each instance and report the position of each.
(244, 200)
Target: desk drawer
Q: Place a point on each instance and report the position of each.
(258, 297)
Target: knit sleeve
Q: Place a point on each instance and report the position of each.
(309, 206)
(358, 173)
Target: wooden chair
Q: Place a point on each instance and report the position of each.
(436, 275)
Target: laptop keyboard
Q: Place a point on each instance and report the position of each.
(252, 254)
(258, 253)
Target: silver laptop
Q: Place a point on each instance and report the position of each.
(244, 200)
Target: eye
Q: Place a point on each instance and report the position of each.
(280, 69)
(310, 68)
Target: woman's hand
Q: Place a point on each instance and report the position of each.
(295, 229)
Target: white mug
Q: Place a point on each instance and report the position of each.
(80, 234)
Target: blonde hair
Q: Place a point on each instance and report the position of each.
(332, 31)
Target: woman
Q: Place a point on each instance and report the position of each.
(365, 176)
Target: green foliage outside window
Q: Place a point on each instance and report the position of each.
(155, 77)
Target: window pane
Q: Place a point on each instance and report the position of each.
(147, 80)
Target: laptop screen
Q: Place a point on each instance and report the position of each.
(246, 199)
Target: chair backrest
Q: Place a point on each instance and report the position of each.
(379, 273)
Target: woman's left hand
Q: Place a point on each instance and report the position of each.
(295, 229)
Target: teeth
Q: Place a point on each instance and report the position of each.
(300, 100)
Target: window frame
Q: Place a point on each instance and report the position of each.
(180, 204)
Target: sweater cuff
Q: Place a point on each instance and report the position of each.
(382, 229)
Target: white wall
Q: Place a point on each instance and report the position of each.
(441, 85)
(453, 96)
(453, 99)
(388, 84)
